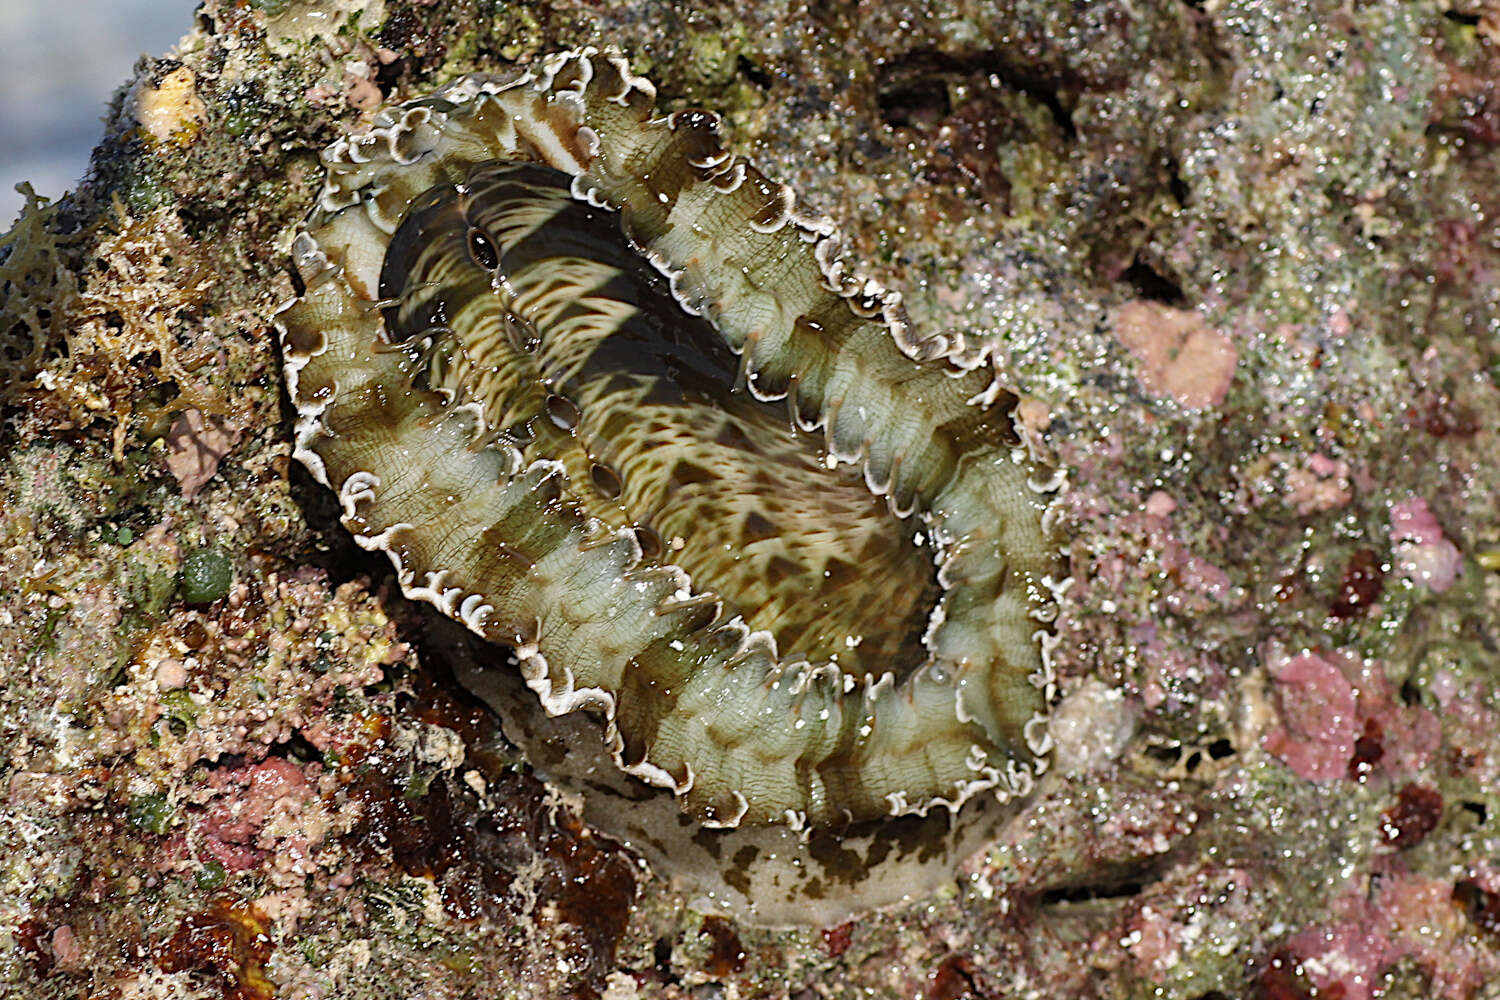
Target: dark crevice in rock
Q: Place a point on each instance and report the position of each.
(1151, 284)
(1048, 95)
(754, 73)
(1462, 17)
(334, 551)
(1177, 187)
(914, 92)
(1091, 893)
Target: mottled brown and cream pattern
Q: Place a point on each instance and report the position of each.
(607, 400)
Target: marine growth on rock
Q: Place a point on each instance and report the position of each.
(607, 400)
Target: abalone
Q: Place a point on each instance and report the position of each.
(609, 402)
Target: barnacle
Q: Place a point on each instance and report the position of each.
(606, 399)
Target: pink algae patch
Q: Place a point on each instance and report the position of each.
(1181, 356)
(1400, 916)
(1328, 702)
(67, 951)
(1348, 955)
(264, 807)
(1409, 734)
(1422, 553)
(1321, 484)
(1319, 727)
(196, 445)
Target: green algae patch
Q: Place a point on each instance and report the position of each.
(206, 576)
(152, 813)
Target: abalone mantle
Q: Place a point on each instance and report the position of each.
(606, 399)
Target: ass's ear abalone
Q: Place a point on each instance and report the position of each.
(608, 401)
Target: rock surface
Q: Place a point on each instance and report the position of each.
(1240, 261)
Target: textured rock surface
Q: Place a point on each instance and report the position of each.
(1279, 651)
